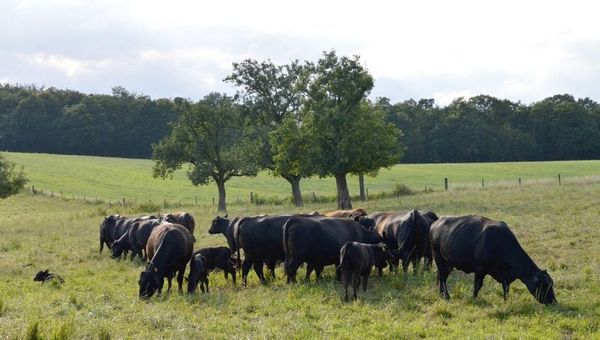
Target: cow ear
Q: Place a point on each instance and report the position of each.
(186, 278)
(226, 215)
(357, 218)
(46, 271)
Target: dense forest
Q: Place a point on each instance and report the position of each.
(479, 129)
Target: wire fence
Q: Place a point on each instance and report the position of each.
(254, 198)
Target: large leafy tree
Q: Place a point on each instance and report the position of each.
(211, 137)
(348, 134)
(11, 180)
(272, 95)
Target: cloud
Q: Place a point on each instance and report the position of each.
(425, 49)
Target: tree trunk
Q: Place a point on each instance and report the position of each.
(343, 197)
(222, 195)
(296, 193)
(361, 184)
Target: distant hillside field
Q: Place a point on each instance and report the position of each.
(115, 178)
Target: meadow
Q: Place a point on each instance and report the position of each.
(557, 225)
(106, 178)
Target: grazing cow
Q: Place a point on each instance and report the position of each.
(46, 276)
(402, 232)
(423, 250)
(170, 248)
(122, 245)
(183, 218)
(114, 226)
(476, 244)
(206, 260)
(261, 239)
(354, 213)
(357, 260)
(318, 240)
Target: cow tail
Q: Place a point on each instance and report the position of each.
(236, 239)
(344, 256)
(286, 243)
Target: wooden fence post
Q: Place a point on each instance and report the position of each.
(367, 190)
(482, 185)
(196, 199)
(445, 183)
(213, 200)
(519, 181)
(251, 197)
(558, 179)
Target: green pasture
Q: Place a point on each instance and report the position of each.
(117, 178)
(557, 225)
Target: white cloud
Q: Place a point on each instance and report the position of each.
(431, 48)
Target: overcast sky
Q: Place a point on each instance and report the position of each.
(521, 50)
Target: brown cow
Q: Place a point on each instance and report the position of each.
(356, 214)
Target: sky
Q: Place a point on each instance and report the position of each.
(519, 50)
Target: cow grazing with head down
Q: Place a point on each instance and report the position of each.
(206, 260)
(135, 239)
(169, 249)
(476, 244)
(183, 218)
(318, 240)
(357, 260)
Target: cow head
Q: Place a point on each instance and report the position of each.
(386, 253)
(541, 287)
(107, 226)
(117, 249)
(169, 218)
(41, 275)
(198, 273)
(149, 282)
(218, 225)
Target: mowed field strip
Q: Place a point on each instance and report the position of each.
(557, 225)
(117, 178)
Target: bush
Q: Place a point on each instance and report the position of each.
(402, 190)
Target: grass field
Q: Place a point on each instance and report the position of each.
(557, 225)
(114, 178)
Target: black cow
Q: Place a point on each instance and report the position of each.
(403, 233)
(122, 245)
(206, 260)
(357, 260)
(114, 226)
(423, 250)
(318, 240)
(370, 221)
(485, 247)
(170, 248)
(46, 276)
(138, 235)
(224, 225)
(261, 239)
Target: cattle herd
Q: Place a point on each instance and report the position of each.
(352, 240)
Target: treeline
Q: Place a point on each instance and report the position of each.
(485, 129)
(479, 129)
(52, 120)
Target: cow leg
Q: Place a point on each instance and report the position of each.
(309, 270)
(442, 275)
(292, 269)
(258, 269)
(206, 283)
(245, 269)
(380, 271)
(180, 279)
(347, 277)
(355, 284)
(478, 283)
(169, 279)
(318, 271)
(505, 288)
(271, 267)
(101, 244)
(364, 282)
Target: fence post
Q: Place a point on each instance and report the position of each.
(123, 201)
(52, 193)
(558, 179)
(32, 189)
(251, 197)
(165, 203)
(482, 185)
(213, 200)
(314, 197)
(367, 190)
(196, 199)
(519, 181)
(445, 183)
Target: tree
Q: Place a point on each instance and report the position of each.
(349, 135)
(211, 137)
(11, 181)
(272, 94)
